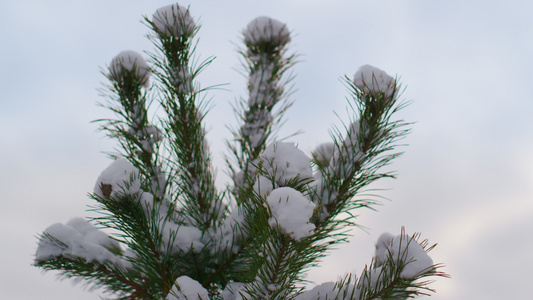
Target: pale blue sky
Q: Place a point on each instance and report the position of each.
(464, 181)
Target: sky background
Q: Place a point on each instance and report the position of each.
(464, 180)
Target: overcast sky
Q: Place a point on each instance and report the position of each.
(464, 180)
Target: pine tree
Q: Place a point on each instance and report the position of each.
(174, 235)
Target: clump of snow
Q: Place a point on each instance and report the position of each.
(92, 234)
(187, 288)
(291, 212)
(182, 237)
(265, 29)
(284, 162)
(129, 61)
(120, 177)
(323, 154)
(374, 81)
(406, 249)
(77, 239)
(174, 20)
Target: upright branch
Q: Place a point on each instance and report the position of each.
(357, 153)
(190, 165)
(265, 59)
(129, 75)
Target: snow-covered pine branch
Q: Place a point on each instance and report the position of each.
(176, 236)
(265, 59)
(190, 164)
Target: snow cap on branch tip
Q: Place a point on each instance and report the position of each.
(291, 212)
(120, 176)
(323, 154)
(77, 238)
(283, 161)
(382, 247)
(130, 61)
(404, 248)
(173, 20)
(373, 81)
(187, 288)
(265, 29)
(92, 234)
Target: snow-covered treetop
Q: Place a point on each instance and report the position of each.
(265, 29)
(174, 20)
(130, 61)
(372, 81)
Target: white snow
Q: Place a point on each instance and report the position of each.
(291, 212)
(130, 60)
(174, 20)
(182, 237)
(187, 288)
(92, 234)
(373, 81)
(323, 153)
(266, 29)
(283, 162)
(406, 249)
(120, 177)
(77, 238)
